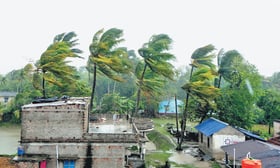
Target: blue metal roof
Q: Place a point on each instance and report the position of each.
(210, 126)
(250, 134)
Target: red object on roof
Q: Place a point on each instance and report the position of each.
(251, 163)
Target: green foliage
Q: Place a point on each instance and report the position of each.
(162, 141)
(110, 60)
(53, 65)
(106, 58)
(236, 105)
(157, 158)
(156, 68)
(115, 103)
(269, 102)
(203, 56)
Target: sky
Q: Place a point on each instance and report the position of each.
(249, 26)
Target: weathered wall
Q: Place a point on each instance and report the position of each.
(225, 136)
(61, 121)
(103, 155)
(61, 129)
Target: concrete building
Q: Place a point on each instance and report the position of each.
(213, 133)
(58, 135)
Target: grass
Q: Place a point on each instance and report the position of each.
(161, 141)
(262, 130)
(157, 158)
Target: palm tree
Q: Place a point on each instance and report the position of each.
(155, 60)
(53, 64)
(201, 57)
(202, 89)
(106, 58)
(226, 67)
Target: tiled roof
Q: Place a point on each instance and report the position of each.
(211, 126)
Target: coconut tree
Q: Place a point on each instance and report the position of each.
(201, 57)
(53, 64)
(201, 88)
(156, 60)
(108, 59)
(226, 68)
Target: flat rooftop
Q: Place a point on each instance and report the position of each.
(110, 126)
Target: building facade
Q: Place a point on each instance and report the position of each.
(59, 135)
(213, 134)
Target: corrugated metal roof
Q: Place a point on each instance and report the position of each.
(250, 134)
(210, 126)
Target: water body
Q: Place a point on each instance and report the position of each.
(9, 140)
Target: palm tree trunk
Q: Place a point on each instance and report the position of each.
(43, 86)
(93, 87)
(177, 131)
(219, 82)
(108, 87)
(185, 115)
(114, 87)
(139, 90)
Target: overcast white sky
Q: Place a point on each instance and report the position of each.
(251, 27)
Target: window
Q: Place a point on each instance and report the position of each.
(6, 99)
(69, 164)
(201, 137)
(208, 142)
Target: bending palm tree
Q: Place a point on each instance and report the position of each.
(226, 68)
(53, 63)
(106, 58)
(156, 60)
(201, 57)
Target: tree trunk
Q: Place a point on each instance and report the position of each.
(43, 87)
(139, 90)
(184, 119)
(176, 120)
(93, 88)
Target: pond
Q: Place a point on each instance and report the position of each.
(9, 140)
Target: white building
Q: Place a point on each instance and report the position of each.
(213, 134)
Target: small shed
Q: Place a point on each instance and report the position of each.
(168, 106)
(213, 133)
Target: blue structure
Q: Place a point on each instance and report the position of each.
(210, 126)
(169, 107)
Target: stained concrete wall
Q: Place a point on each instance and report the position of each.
(212, 145)
(60, 129)
(59, 120)
(102, 155)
